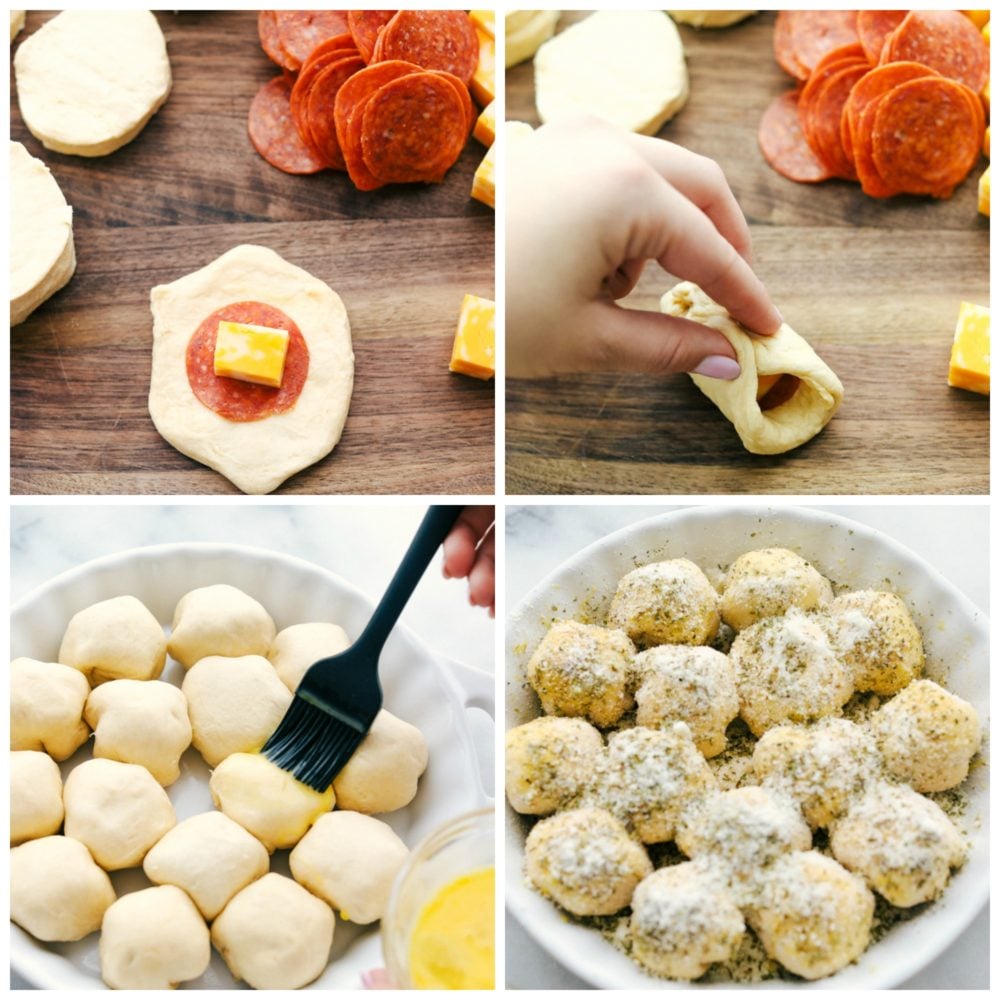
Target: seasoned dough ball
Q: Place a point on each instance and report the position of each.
(548, 761)
(57, 893)
(235, 703)
(350, 860)
(382, 774)
(210, 857)
(115, 638)
(296, 648)
(813, 917)
(901, 843)
(822, 768)
(927, 736)
(117, 810)
(153, 939)
(46, 707)
(691, 684)
(585, 860)
(666, 602)
(219, 621)
(266, 800)
(36, 805)
(583, 670)
(140, 722)
(877, 639)
(274, 934)
(787, 671)
(683, 921)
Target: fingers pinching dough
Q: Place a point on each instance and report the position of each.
(219, 620)
(36, 805)
(296, 648)
(46, 707)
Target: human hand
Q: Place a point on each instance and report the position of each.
(469, 552)
(588, 205)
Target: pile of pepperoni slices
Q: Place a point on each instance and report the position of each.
(887, 98)
(381, 94)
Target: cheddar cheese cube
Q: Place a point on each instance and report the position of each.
(251, 353)
(986, 142)
(970, 352)
(483, 82)
(980, 18)
(485, 20)
(486, 125)
(984, 193)
(474, 349)
(986, 32)
(484, 180)
(986, 96)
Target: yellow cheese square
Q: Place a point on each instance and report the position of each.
(486, 125)
(970, 352)
(251, 353)
(986, 32)
(482, 84)
(484, 180)
(980, 18)
(986, 142)
(984, 192)
(474, 349)
(484, 19)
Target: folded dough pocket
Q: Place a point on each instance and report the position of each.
(785, 394)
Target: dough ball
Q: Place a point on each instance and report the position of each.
(140, 722)
(115, 638)
(927, 736)
(585, 860)
(787, 671)
(296, 648)
(153, 939)
(57, 893)
(902, 844)
(877, 639)
(266, 800)
(36, 805)
(525, 32)
(683, 921)
(46, 707)
(548, 761)
(210, 857)
(710, 18)
(766, 583)
(691, 684)
(274, 935)
(583, 670)
(118, 810)
(219, 621)
(350, 860)
(382, 774)
(235, 703)
(822, 768)
(813, 917)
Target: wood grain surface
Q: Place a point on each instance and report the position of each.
(875, 286)
(191, 187)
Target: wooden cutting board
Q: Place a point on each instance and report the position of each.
(191, 187)
(874, 285)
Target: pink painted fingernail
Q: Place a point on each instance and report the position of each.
(718, 366)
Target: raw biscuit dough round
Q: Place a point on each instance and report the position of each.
(525, 31)
(36, 805)
(257, 456)
(88, 81)
(46, 707)
(296, 648)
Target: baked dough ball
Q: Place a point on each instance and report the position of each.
(235, 703)
(351, 861)
(822, 768)
(382, 774)
(548, 761)
(46, 707)
(525, 31)
(219, 621)
(691, 684)
(683, 921)
(36, 805)
(118, 810)
(710, 18)
(115, 638)
(583, 670)
(788, 671)
(57, 893)
(585, 860)
(666, 602)
(814, 917)
(274, 935)
(140, 722)
(210, 857)
(767, 582)
(153, 939)
(266, 800)
(877, 639)
(900, 842)
(927, 736)
(296, 648)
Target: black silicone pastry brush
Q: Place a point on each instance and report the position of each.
(338, 698)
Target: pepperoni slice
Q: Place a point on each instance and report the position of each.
(244, 401)
(320, 108)
(365, 26)
(816, 32)
(301, 31)
(270, 40)
(784, 145)
(946, 41)
(463, 95)
(323, 55)
(828, 110)
(273, 132)
(845, 57)
(433, 39)
(784, 45)
(874, 27)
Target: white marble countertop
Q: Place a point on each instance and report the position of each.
(953, 539)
